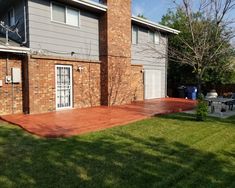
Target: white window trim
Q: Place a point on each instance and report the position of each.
(71, 80)
(66, 8)
(14, 19)
(137, 36)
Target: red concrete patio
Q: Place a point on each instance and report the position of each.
(79, 121)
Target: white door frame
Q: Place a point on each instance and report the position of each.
(71, 86)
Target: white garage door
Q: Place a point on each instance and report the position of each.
(152, 82)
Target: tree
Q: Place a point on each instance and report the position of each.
(175, 77)
(206, 33)
(141, 16)
(222, 74)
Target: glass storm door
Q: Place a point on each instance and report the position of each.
(63, 87)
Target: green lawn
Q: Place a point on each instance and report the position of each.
(167, 151)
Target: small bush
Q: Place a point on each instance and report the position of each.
(202, 109)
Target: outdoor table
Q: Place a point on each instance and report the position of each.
(219, 101)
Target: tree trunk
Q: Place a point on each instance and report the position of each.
(199, 84)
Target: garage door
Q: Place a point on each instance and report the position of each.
(152, 82)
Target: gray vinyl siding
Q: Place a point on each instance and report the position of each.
(19, 17)
(151, 56)
(58, 39)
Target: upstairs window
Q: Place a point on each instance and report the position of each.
(58, 13)
(11, 17)
(151, 37)
(72, 17)
(64, 14)
(134, 35)
(157, 38)
(154, 37)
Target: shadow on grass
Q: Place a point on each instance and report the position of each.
(180, 117)
(106, 159)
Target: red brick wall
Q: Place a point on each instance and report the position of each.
(41, 74)
(114, 81)
(42, 89)
(11, 99)
(115, 51)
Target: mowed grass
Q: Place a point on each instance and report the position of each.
(167, 151)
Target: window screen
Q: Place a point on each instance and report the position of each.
(72, 17)
(58, 13)
(151, 37)
(134, 35)
(157, 38)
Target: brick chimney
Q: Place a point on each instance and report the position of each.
(115, 52)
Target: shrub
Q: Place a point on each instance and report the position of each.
(202, 109)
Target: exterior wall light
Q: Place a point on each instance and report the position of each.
(80, 69)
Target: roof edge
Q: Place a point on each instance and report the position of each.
(13, 49)
(91, 4)
(155, 25)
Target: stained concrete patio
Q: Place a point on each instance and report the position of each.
(79, 121)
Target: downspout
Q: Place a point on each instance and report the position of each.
(25, 65)
(25, 84)
(25, 24)
(7, 37)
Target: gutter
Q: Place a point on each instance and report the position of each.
(155, 25)
(12, 49)
(91, 4)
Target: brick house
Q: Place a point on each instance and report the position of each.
(78, 53)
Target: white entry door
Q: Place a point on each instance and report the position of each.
(63, 86)
(152, 84)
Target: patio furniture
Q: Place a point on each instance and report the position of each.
(231, 103)
(220, 104)
(212, 94)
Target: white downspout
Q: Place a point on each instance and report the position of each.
(7, 37)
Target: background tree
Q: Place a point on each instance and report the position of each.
(204, 45)
(141, 16)
(178, 73)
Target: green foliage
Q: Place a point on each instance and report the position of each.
(177, 20)
(223, 73)
(216, 72)
(180, 74)
(202, 109)
(141, 16)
